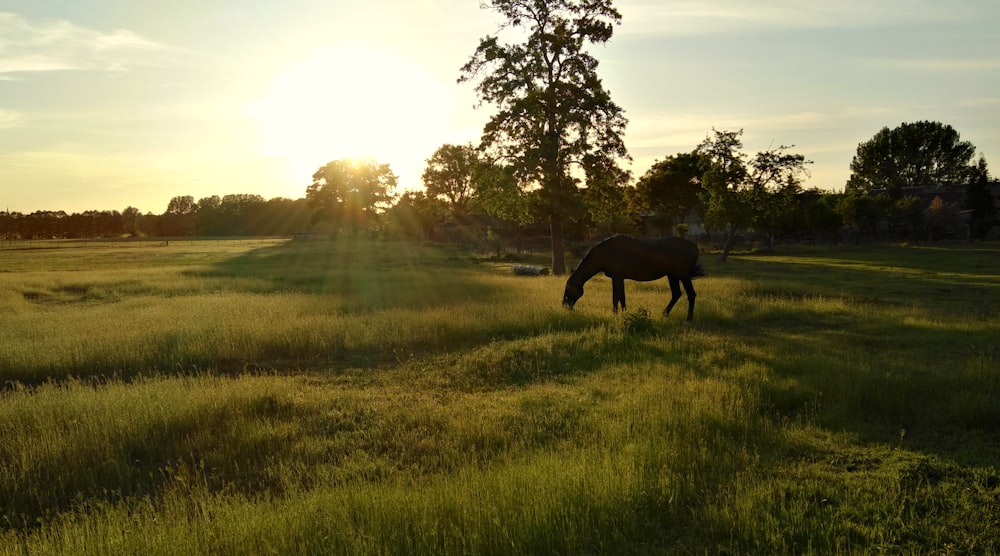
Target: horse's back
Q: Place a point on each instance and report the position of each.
(678, 245)
(649, 259)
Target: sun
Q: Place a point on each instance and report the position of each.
(353, 103)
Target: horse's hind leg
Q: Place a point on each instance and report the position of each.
(689, 290)
(675, 294)
(618, 293)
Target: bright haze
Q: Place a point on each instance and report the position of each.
(106, 104)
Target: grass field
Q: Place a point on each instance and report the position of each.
(358, 397)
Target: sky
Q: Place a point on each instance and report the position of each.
(106, 104)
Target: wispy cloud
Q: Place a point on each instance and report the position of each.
(981, 102)
(687, 17)
(686, 130)
(27, 46)
(936, 64)
(8, 118)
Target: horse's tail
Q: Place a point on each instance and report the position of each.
(697, 270)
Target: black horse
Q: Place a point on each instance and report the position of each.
(621, 257)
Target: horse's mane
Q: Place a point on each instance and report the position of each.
(588, 257)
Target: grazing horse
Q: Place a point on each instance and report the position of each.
(621, 257)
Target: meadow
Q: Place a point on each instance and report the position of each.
(363, 397)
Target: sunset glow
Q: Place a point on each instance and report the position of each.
(351, 103)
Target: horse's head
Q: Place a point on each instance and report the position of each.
(573, 292)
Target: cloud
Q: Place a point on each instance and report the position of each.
(688, 17)
(981, 102)
(8, 118)
(686, 130)
(46, 46)
(936, 64)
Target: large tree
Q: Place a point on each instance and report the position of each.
(349, 194)
(499, 194)
(917, 154)
(553, 114)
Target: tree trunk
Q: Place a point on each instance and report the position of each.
(558, 249)
(730, 240)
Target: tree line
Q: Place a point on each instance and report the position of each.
(214, 216)
(728, 192)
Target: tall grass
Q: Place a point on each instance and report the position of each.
(310, 304)
(360, 397)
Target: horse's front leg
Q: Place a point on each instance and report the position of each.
(675, 294)
(618, 293)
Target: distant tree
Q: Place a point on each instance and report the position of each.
(917, 154)
(101, 223)
(942, 219)
(179, 218)
(904, 216)
(149, 224)
(46, 224)
(553, 113)
(724, 199)
(775, 210)
(980, 201)
(8, 225)
(451, 176)
(774, 181)
(605, 202)
(130, 221)
(183, 204)
(670, 188)
(241, 213)
(349, 194)
(209, 222)
(758, 193)
(819, 211)
(415, 215)
(281, 216)
(862, 212)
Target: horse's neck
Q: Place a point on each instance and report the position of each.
(585, 271)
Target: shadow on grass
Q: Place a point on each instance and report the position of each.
(897, 347)
(366, 274)
(522, 362)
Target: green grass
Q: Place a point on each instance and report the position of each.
(356, 397)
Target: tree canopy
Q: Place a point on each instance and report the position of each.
(919, 154)
(349, 194)
(451, 175)
(671, 187)
(553, 113)
(741, 192)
